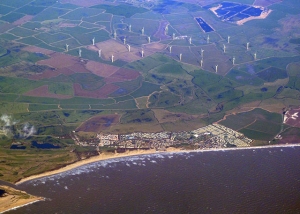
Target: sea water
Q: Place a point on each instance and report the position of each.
(230, 181)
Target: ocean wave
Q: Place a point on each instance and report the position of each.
(141, 160)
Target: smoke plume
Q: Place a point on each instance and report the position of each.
(10, 128)
(27, 130)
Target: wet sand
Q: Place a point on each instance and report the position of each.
(106, 156)
(14, 199)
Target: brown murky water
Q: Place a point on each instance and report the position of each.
(242, 181)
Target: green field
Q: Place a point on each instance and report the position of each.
(127, 87)
(17, 85)
(11, 17)
(121, 10)
(30, 41)
(50, 38)
(245, 89)
(138, 116)
(22, 32)
(49, 14)
(148, 63)
(30, 10)
(80, 13)
(257, 124)
(145, 90)
(5, 9)
(121, 105)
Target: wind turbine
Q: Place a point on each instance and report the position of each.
(149, 39)
(201, 63)
(216, 68)
(128, 48)
(180, 56)
(99, 53)
(248, 43)
(170, 49)
(202, 52)
(124, 40)
(173, 36)
(129, 28)
(143, 31)
(79, 52)
(255, 56)
(93, 40)
(115, 34)
(233, 59)
(112, 58)
(228, 39)
(67, 47)
(190, 40)
(207, 39)
(224, 48)
(142, 53)
(166, 30)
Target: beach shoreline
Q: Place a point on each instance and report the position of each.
(22, 205)
(14, 199)
(101, 157)
(106, 156)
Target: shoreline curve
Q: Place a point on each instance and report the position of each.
(103, 157)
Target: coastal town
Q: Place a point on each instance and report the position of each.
(208, 137)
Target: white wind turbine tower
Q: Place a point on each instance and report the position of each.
(115, 34)
(93, 40)
(99, 53)
(202, 52)
(248, 43)
(233, 60)
(124, 40)
(228, 39)
(216, 68)
(128, 48)
(173, 36)
(180, 56)
(143, 31)
(142, 53)
(166, 30)
(79, 52)
(149, 39)
(207, 39)
(170, 49)
(190, 40)
(255, 56)
(201, 63)
(67, 47)
(129, 28)
(112, 58)
(224, 48)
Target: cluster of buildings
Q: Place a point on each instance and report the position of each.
(211, 136)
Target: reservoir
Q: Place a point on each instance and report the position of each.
(205, 27)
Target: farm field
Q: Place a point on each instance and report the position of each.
(102, 66)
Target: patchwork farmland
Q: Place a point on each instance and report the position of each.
(220, 62)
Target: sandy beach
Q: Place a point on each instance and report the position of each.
(104, 156)
(10, 202)
(107, 156)
(14, 199)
